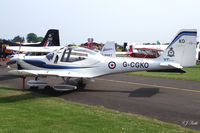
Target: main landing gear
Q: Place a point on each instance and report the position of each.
(23, 83)
(67, 85)
(36, 83)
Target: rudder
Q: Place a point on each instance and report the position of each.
(109, 49)
(182, 50)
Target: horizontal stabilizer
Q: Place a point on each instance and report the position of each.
(167, 64)
(168, 70)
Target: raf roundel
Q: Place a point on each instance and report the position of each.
(171, 52)
(111, 65)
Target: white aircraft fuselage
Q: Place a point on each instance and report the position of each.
(93, 65)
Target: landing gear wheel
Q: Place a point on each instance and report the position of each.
(36, 78)
(19, 67)
(34, 87)
(81, 85)
(47, 87)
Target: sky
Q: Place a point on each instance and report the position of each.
(104, 20)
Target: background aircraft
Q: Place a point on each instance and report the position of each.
(142, 51)
(51, 39)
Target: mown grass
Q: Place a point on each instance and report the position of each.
(28, 112)
(192, 73)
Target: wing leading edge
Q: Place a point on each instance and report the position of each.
(48, 73)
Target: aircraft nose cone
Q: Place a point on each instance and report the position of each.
(11, 62)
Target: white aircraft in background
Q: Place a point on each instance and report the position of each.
(85, 64)
(148, 51)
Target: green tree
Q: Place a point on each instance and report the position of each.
(18, 39)
(32, 38)
(39, 39)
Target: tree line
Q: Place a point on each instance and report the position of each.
(31, 38)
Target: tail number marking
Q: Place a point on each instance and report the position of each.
(181, 40)
(136, 64)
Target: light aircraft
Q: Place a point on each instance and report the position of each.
(154, 47)
(148, 51)
(85, 64)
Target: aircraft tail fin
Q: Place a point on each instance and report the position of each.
(109, 49)
(51, 38)
(182, 50)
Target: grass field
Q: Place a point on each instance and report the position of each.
(28, 112)
(192, 73)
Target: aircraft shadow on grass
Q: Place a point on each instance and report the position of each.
(141, 92)
(7, 77)
(144, 92)
(48, 92)
(32, 94)
(17, 98)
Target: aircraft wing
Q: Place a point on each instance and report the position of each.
(65, 73)
(32, 49)
(151, 47)
(175, 65)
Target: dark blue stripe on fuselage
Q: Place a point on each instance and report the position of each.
(188, 33)
(42, 64)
